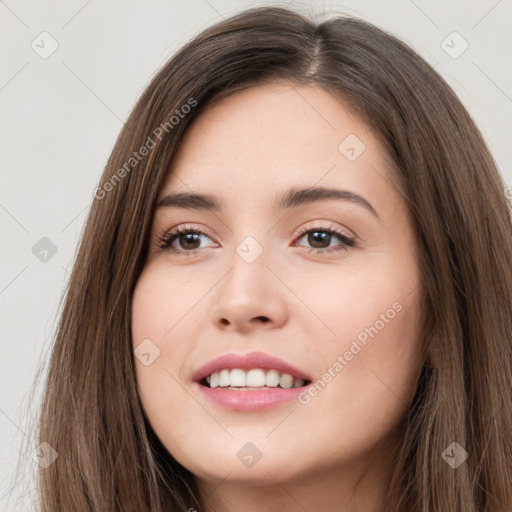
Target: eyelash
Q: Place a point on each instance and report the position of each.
(166, 239)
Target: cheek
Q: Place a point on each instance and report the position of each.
(160, 299)
(168, 310)
(159, 317)
(367, 386)
(370, 303)
(367, 351)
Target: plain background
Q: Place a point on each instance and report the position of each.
(61, 116)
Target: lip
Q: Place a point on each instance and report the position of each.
(247, 362)
(248, 399)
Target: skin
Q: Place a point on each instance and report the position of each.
(333, 452)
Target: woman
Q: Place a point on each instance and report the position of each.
(263, 370)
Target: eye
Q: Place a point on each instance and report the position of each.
(321, 237)
(189, 240)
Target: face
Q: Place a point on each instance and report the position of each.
(325, 281)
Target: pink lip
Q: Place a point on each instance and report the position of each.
(248, 399)
(247, 362)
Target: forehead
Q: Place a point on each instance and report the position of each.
(269, 137)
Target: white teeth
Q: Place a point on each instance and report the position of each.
(272, 379)
(214, 380)
(286, 380)
(254, 378)
(224, 378)
(237, 377)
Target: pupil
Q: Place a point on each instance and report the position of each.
(187, 238)
(317, 237)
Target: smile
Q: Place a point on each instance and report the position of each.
(249, 382)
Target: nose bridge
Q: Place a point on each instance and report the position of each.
(247, 291)
(247, 275)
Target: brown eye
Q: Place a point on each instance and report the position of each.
(188, 240)
(320, 239)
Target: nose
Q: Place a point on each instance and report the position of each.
(250, 297)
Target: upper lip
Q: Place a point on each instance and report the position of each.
(247, 362)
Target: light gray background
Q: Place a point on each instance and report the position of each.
(61, 116)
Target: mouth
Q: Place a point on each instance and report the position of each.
(249, 382)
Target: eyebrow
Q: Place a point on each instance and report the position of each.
(290, 199)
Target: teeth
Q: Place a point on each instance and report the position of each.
(224, 378)
(272, 379)
(286, 380)
(297, 383)
(237, 377)
(214, 380)
(255, 378)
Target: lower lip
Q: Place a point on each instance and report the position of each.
(249, 399)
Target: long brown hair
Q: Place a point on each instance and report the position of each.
(109, 458)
